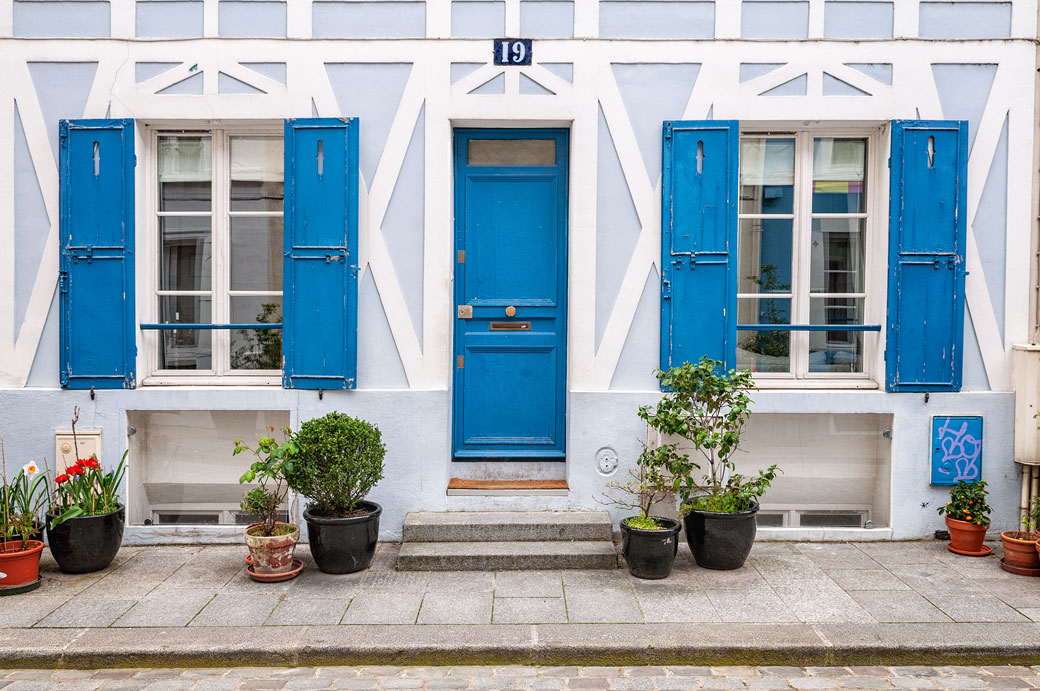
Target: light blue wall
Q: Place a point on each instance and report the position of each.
(530, 87)
(973, 369)
(62, 89)
(31, 224)
(650, 19)
(563, 70)
(272, 70)
(546, 19)
(857, 19)
(641, 354)
(226, 84)
(494, 86)
(990, 226)
(189, 86)
(403, 225)
(254, 18)
(965, 20)
(61, 19)
(143, 71)
(617, 227)
(774, 19)
(881, 71)
(832, 86)
(793, 87)
(483, 19)
(754, 70)
(963, 92)
(371, 92)
(369, 19)
(378, 362)
(461, 69)
(177, 19)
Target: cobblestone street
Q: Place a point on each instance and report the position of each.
(516, 677)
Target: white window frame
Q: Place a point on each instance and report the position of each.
(148, 268)
(874, 261)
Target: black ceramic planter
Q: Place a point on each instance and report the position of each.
(721, 540)
(344, 545)
(86, 543)
(650, 553)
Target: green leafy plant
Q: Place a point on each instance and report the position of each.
(968, 503)
(273, 462)
(338, 460)
(707, 406)
(1031, 520)
(20, 501)
(84, 489)
(772, 343)
(261, 348)
(646, 485)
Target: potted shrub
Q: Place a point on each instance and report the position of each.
(648, 543)
(271, 542)
(708, 407)
(967, 518)
(338, 459)
(20, 504)
(85, 520)
(1020, 553)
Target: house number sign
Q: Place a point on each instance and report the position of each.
(512, 51)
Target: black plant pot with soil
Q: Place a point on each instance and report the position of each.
(650, 553)
(721, 540)
(87, 543)
(344, 545)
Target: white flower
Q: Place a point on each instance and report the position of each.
(30, 468)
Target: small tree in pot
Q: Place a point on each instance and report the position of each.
(648, 543)
(708, 407)
(967, 518)
(1020, 552)
(338, 460)
(271, 543)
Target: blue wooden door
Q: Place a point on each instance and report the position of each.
(510, 294)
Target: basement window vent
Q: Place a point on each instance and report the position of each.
(781, 516)
(831, 519)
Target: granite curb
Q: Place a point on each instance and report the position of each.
(568, 644)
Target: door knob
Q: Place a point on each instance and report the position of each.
(510, 311)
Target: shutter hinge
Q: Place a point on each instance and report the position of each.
(666, 289)
(461, 361)
(63, 281)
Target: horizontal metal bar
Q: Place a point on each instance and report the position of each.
(808, 327)
(207, 327)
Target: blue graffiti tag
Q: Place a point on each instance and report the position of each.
(961, 451)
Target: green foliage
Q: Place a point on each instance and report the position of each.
(643, 523)
(1031, 521)
(772, 343)
(647, 484)
(261, 348)
(85, 490)
(21, 501)
(968, 503)
(338, 460)
(708, 407)
(273, 462)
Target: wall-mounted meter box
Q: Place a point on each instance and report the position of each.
(89, 442)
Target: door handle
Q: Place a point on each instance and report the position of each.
(465, 311)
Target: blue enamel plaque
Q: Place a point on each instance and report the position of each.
(956, 449)
(512, 51)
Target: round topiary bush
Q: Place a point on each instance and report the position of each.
(338, 460)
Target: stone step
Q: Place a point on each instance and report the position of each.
(506, 556)
(512, 526)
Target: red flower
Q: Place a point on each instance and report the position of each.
(88, 463)
(61, 478)
(74, 470)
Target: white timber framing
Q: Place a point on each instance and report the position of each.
(427, 365)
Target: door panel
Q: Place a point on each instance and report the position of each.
(510, 288)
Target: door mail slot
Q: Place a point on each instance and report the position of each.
(509, 326)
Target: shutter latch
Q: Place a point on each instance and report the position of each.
(63, 281)
(666, 289)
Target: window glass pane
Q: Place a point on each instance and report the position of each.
(256, 348)
(185, 174)
(512, 152)
(766, 176)
(836, 351)
(839, 180)
(837, 255)
(186, 253)
(256, 173)
(764, 351)
(188, 349)
(256, 253)
(764, 249)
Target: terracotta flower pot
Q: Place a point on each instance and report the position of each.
(272, 554)
(19, 566)
(1020, 552)
(965, 536)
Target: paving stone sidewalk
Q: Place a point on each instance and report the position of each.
(517, 677)
(863, 583)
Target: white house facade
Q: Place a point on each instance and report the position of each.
(218, 215)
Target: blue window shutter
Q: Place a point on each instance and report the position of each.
(699, 241)
(927, 220)
(321, 228)
(96, 273)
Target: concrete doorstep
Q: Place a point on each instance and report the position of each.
(800, 604)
